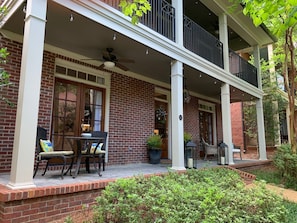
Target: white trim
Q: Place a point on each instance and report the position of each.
(106, 86)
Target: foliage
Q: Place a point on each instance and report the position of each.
(135, 9)
(273, 104)
(154, 141)
(286, 163)
(272, 176)
(280, 16)
(187, 137)
(4, 75)
(292, 211)
(207, 195)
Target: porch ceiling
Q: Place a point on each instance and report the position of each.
(88, 39)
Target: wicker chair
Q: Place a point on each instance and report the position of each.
(209, 149)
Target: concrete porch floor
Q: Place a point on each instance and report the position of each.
(52, 178)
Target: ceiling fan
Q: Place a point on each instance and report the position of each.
(110, 60)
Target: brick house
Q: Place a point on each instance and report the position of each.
(180, 62)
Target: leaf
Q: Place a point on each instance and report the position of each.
(292, 2)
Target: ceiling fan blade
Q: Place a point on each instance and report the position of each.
(90, 59)
(124, 68)
(101, 66)
(125, 60)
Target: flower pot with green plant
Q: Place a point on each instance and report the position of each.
(154, 143)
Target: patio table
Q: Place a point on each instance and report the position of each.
(84, 144)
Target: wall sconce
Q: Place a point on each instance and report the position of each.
(186, 93)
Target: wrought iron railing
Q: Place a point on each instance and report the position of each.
(201, 42)
(242, 68)
(162, 20)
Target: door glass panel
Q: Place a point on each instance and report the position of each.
(64, 113)
(93, 109)
(206, 126)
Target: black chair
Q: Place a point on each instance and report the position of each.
(64, 155)
(102, 151)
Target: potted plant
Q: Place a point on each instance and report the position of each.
(187, 137)
(154, 143)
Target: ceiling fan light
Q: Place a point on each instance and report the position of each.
(109, 64)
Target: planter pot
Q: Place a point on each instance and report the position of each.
(155, 155)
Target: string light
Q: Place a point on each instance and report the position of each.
(114, 36)
(147, 51)
(25, 7)
(71, 17)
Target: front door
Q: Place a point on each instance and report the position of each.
(75, 104)
(206, 126)
(161, 125)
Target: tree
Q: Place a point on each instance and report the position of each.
(280, 17)
(4, 75)
(135, 9)
(273, 104)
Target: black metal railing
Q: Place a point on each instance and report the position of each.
(162, 20)
(201, 42)
(112, 3)
(242, 68)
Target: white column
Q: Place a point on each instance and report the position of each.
(259, 108)
(28, 97)
(226, 121)
(261, 130)
(225, 91)
(177, 116)
(223, 29)
(179, 21)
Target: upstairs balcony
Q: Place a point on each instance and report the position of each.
(196, 39)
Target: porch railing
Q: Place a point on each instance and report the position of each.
(162, 20)
(201, 42)
(242, 68)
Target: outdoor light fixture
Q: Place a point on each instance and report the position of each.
(109, 64)
(71, 18)
(186, 93)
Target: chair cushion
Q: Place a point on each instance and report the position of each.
(236, 150)
(98, 148)
(46, 145)
(56, 153)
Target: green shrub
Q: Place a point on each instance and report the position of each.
(286, 163)
(208, 195)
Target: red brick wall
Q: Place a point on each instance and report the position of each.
(132, 117)
(47, 204)
(8, 114)
(191, 119)
(237, 124)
